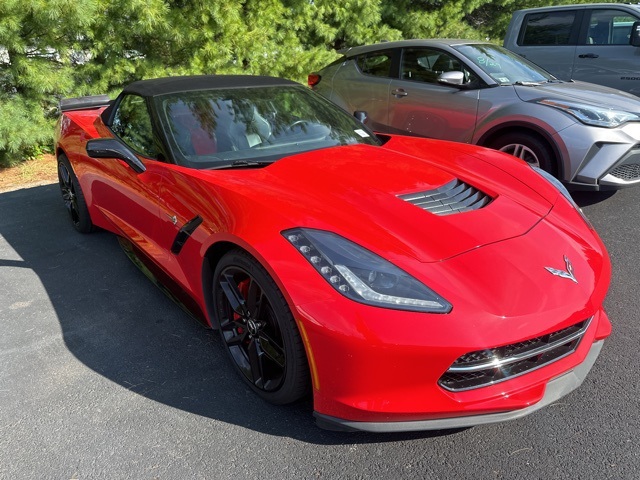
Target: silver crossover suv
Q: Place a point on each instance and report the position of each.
(475, 92)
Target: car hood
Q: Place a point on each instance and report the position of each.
(582, 92)
(365, 193)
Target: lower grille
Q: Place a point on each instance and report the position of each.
(487, 367)
(628, 172)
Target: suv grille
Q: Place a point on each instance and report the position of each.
(627, 172)
(453, 197)
(486, 367)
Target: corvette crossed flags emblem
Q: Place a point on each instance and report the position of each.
(568, 273)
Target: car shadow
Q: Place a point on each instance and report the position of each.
(119, 325)
(584, 199)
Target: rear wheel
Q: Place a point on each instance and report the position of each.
(258, 329)
(528, 147)
(73, 197)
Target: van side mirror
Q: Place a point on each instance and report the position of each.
(361, 116)
(635, 35)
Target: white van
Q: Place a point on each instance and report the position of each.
(597, 43)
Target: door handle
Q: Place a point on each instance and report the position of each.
(399, 92)
(588, 55)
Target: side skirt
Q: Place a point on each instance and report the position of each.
(161, 280)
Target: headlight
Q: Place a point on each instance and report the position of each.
(563, 190)
(592, 115)
(363, 276)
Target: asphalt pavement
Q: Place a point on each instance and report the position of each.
(102, 376)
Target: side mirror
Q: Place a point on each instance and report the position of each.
(112, 148)
(634, 38)
(361, 116)
(451, 78)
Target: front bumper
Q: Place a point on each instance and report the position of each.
(555, 389)
(600, 158)
(372, 366)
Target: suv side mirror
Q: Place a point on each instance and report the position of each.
(451, 78)
(112, 148)
(635, 35)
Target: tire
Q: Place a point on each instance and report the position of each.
(258, 330)
(73, 197)
(529, 147)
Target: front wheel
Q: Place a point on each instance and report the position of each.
(528, 147)
(258, 329)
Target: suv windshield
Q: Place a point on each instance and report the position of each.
(503, 66)
(253, 126)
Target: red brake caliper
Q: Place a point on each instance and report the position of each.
(243, 286)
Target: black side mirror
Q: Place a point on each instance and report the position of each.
(361, 116)
(112, 148)
(634, 39)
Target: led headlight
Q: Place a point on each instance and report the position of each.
(363, 276)
(592, 115)
(563, 190)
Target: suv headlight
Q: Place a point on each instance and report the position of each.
(363, 276)
(592, 115)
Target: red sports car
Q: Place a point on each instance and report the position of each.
(407, 283)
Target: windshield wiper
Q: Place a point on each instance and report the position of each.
(527, 84)
(242, 164)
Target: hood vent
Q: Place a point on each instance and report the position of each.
(453, 197)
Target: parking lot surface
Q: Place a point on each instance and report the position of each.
(102, 376)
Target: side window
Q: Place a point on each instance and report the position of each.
(609, 27)
(376, 64)
(132, 124)
(426, 64)
(549, 28)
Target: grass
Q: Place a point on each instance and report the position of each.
(40, 171)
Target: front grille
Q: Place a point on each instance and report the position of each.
(628, 172)
(486, 367)
(453, 197)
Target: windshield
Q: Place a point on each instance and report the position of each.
(253, 126)
(503, 66)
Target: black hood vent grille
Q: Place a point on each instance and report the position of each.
(453, 197)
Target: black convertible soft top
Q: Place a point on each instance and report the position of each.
(161, 86)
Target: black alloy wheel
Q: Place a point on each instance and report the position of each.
(73, 197)
(258, 330)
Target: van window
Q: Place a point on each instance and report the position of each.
(609, 27)
(548, 28)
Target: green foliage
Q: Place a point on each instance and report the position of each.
(57, 48)
(37, 40)
(23, 128)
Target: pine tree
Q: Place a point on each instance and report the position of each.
(56, 48)
(37, 39)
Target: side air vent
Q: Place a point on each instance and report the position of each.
(453, 197)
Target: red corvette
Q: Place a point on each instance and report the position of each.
(408, 284)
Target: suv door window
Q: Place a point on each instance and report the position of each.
(132, 124)
(609, 27)
(548, 28)
(427, 64)
(377, 64)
